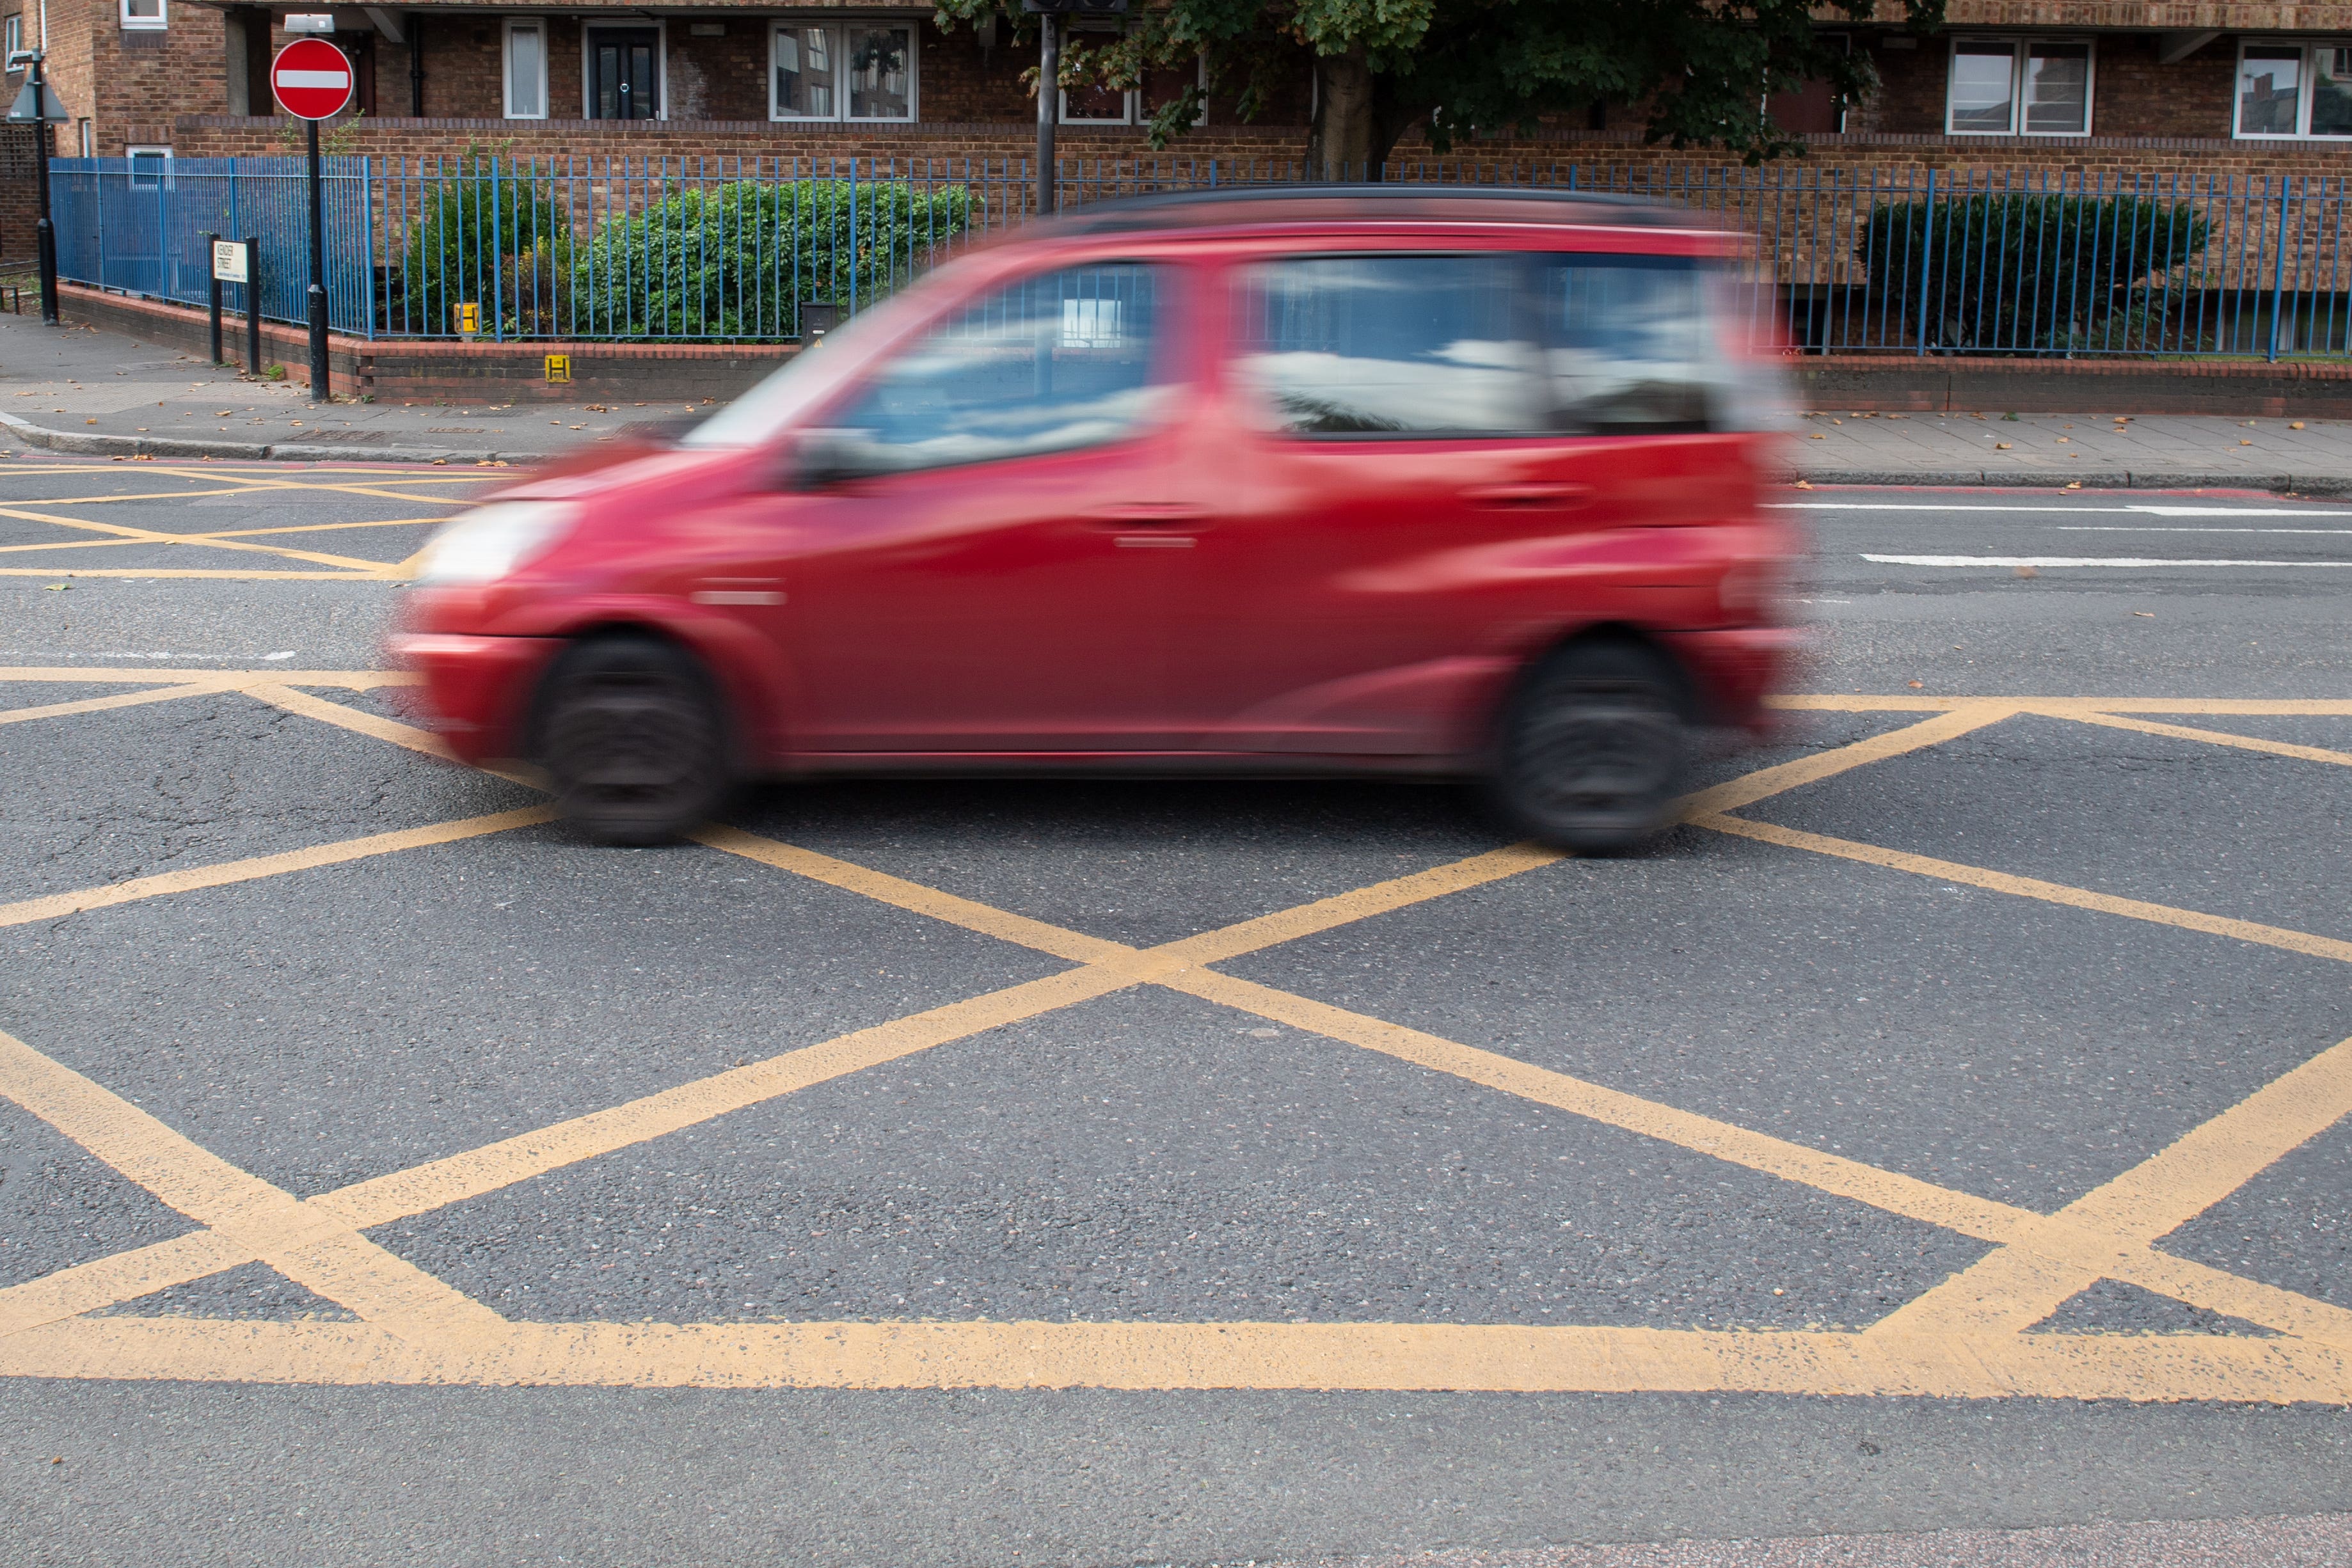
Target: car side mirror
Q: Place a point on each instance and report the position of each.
(824, 458)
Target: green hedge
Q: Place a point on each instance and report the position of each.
(736, 260)
(2026, 271)
(483, 242)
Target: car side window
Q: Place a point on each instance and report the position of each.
(1630, 343)
(1061, 360)
(1388, 346)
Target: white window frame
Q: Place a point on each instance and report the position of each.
(505, 65)
(147, 149)
(1131, 101)
(12, 40)
(2017, 46)
(155, 24)
(2307, 83)
(588, 62)
(839, 26)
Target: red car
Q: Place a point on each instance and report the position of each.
(1260, 481)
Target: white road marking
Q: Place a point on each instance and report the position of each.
(2074, 560)
(2160, 529)
(2153, 511)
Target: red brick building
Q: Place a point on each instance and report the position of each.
(2169, 85)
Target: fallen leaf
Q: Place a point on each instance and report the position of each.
(2148, 613)
(1804, 485)
(1816, 436)
(1916, 686)
(2245, 443)
(2296, 425)
(2073, 483)
(2027, 571)
(2001, 445)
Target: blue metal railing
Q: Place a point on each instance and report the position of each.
(1848, 261)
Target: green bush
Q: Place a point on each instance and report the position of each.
(2028, 272)
(736, 260)
(475, 240)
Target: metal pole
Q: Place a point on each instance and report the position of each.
(45, 231)
(212, 275)
(318, 274)
(1049, 106)
(253, 304)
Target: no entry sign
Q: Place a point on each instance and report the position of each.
(311, 79)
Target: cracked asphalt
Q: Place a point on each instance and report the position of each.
(1156, 1159)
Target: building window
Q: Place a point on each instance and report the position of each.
(2018, 87)
(1095, 104)
(622, 71)
(150, 166)
(842, 70)
(143, 14)
(14, 43)
(2295, 91)
(526, 70)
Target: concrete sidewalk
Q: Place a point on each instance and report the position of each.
(77, 389)
(2312, 457)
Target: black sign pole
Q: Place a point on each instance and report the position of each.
(253, 304)
(1049, 106)
(212, 268)
(44, 232)
(318, 275)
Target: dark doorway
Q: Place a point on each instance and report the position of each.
(624, 73)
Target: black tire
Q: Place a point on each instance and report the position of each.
(630, 732)
(1593, 749)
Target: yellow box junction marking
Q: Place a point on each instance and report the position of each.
(1963, 1338)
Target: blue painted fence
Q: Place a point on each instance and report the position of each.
(731, 249)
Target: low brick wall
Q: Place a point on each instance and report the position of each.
(395, 370)
(1947, 384)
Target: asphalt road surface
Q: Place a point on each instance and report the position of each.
(1930, 1153)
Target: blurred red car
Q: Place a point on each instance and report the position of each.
(1362, 479)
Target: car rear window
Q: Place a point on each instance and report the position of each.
(1630, 343)
(1388, 345)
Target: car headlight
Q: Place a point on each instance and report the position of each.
(492, 541)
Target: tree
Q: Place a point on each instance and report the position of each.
(1702, 69)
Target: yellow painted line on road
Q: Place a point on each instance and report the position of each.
(1766, 782)
(123, 1277)
(222, 574)
(156, 535)
(1827, 702)
(2206, 736)
(2034, 887)
(99, 704)
(326, 528)
(357, 680)
(1431, 1357)
(58, 905)
(302, 1241)
(2007, 1293)
(279, 693)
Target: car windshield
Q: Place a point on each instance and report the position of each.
(802, 379)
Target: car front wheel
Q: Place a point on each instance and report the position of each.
(633, 738)
(1593, 749)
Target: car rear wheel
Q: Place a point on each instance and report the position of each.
(633, 738)
(1593, 749)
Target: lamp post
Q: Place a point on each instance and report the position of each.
(1049, 14)
(37, 105)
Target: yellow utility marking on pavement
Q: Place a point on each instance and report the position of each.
(279, 693)
(98, 705)
(58, 905)
(1435, 1357)
(2210, 737)
(226, 534)
(2005, 1292)
(218, 573)
(327, 528)
(2034, 887)
(304, 1243)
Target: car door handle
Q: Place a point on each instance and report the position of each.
(1158, 514)
(1528, 495)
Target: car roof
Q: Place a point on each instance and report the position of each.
(1366, 204)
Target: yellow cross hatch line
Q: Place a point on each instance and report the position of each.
(1961, 1338)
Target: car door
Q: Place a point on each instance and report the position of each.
(997, 580)
(1437, 462)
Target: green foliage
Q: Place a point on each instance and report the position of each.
(2028, 271)
(735, 260)
(484, 223)
(1454, 69)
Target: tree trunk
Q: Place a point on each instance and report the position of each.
(1342, 144)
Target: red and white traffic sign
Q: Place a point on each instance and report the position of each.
(311, 79)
